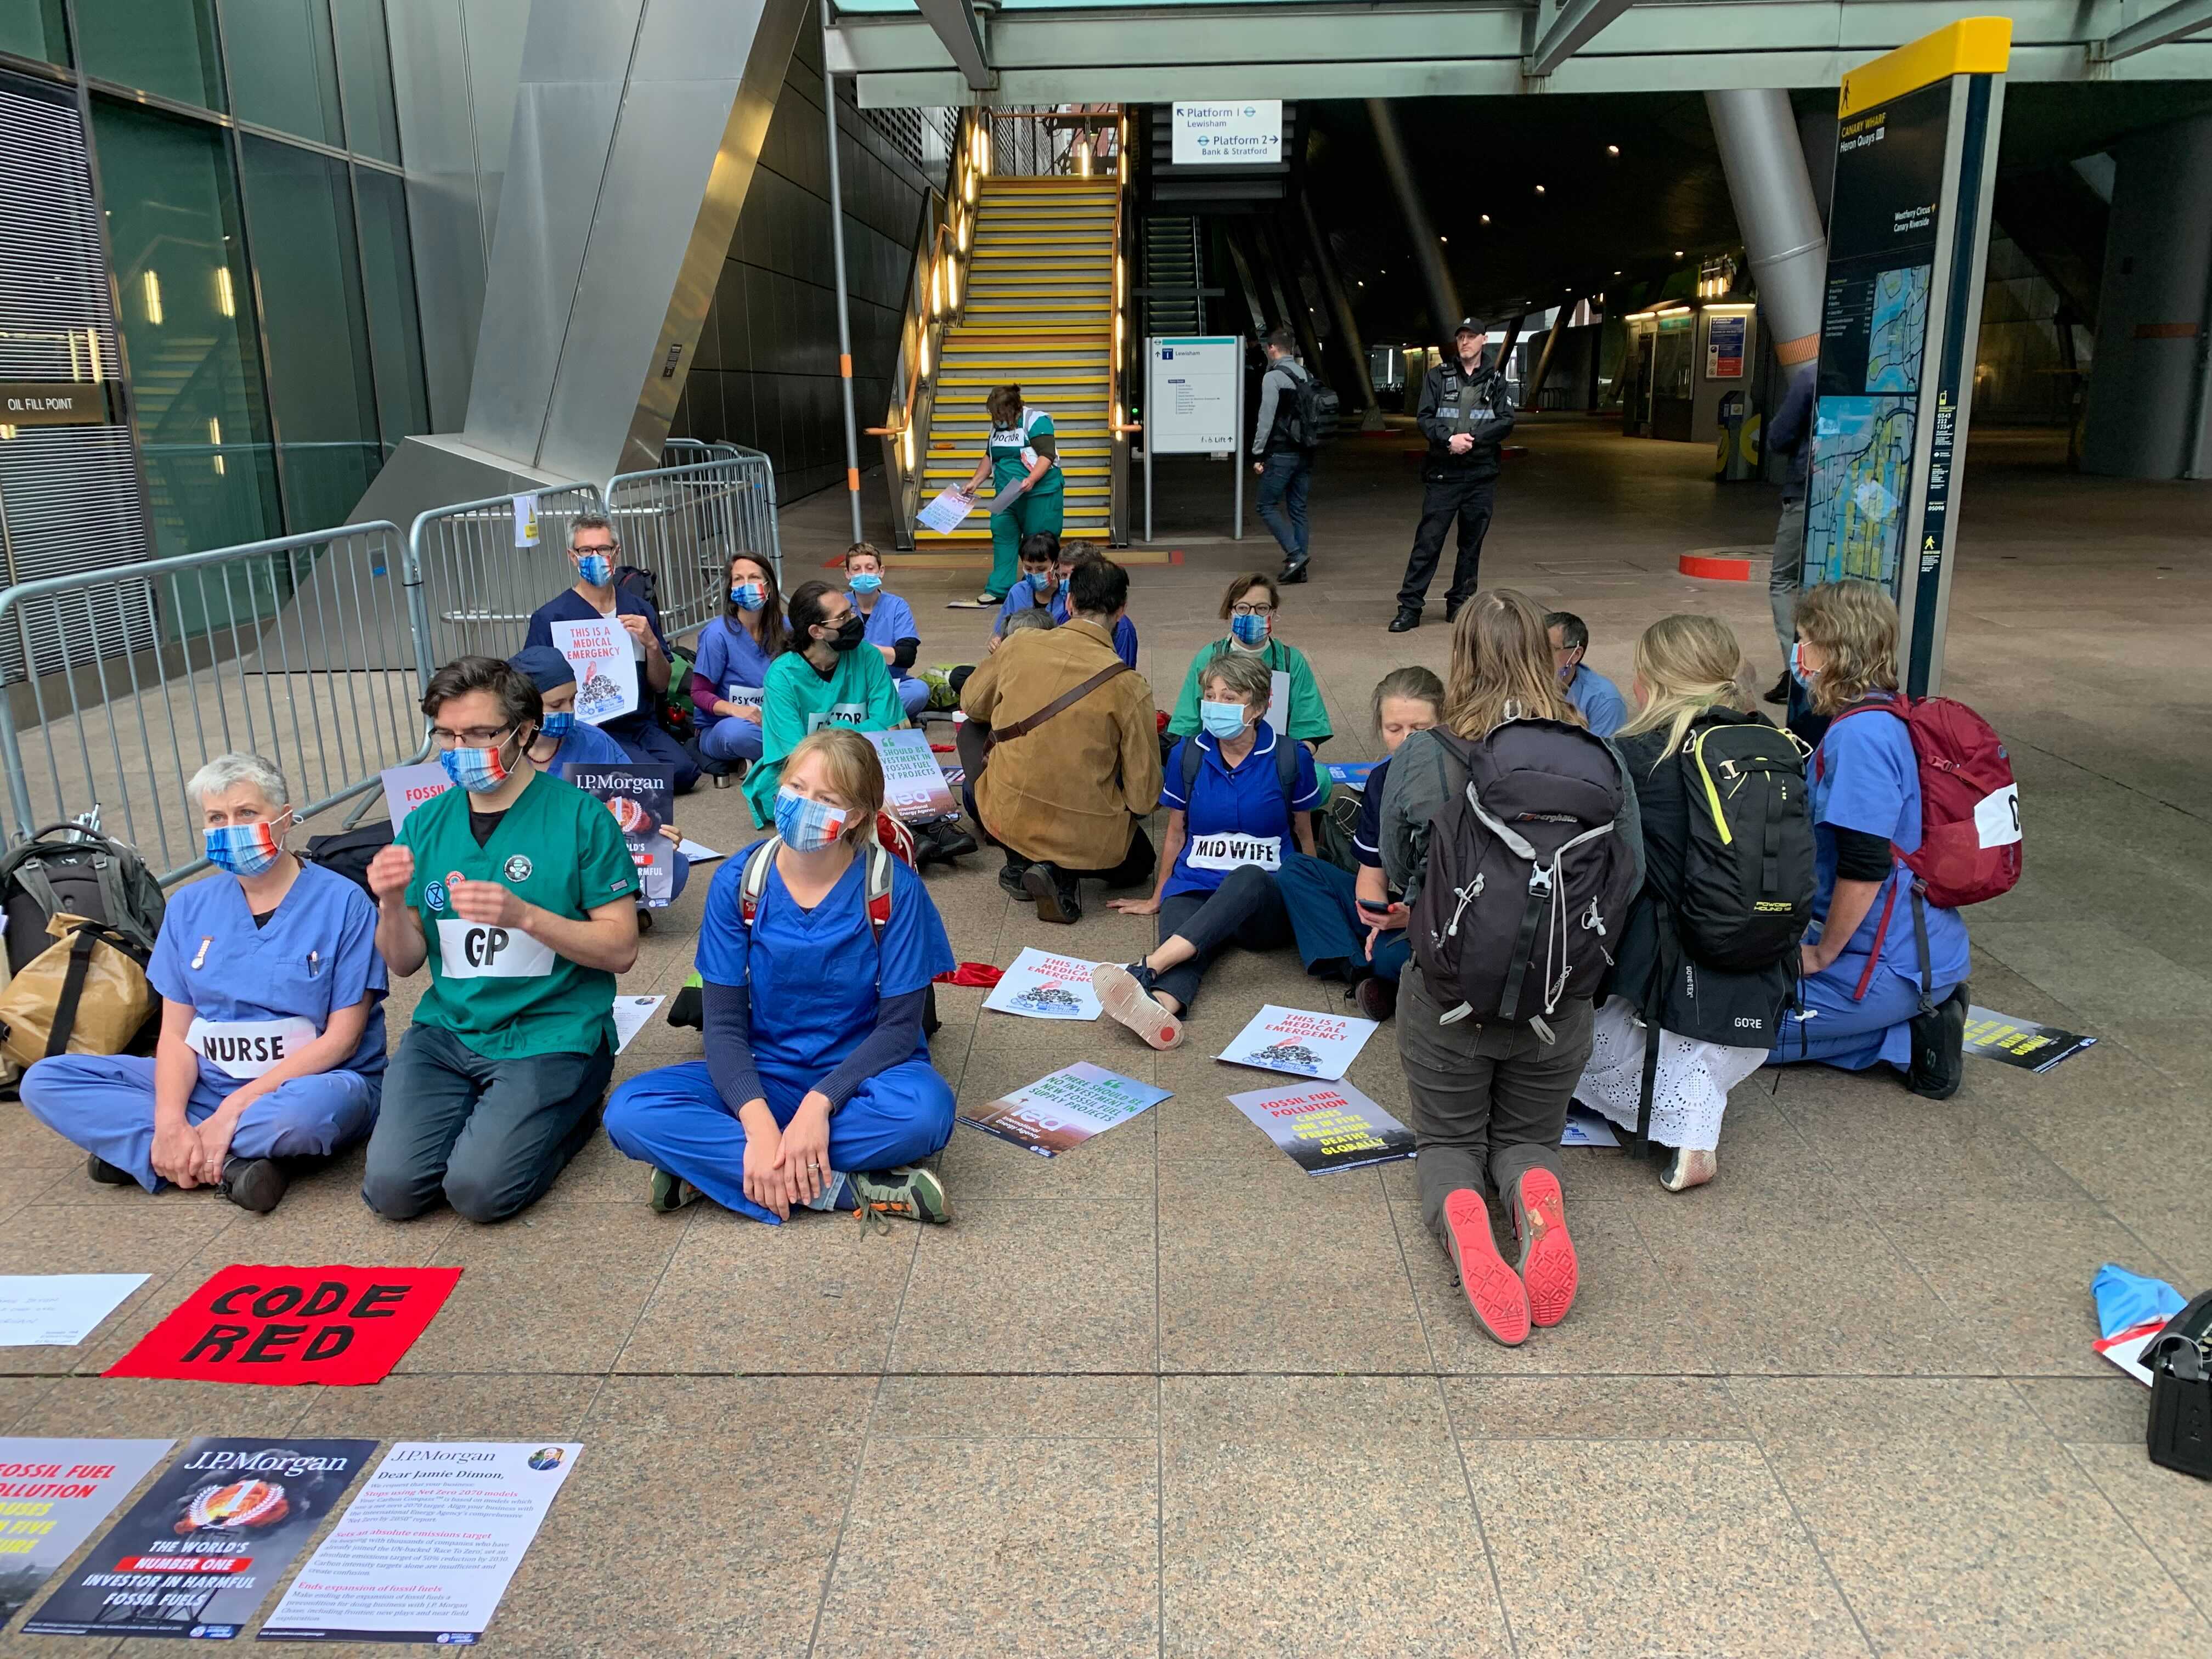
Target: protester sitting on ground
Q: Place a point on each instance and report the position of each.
(734, 654)
(1865, 967)
(1597, 698)
(1349, 926)
(1038, 588)
(595, 552)
(815, 960)
(563, 741)
(1239, 801)
(516, 890)
(270, 1051)
(1489, 1097)
(1249, 607)
(1689, 670)
(1075, 767)
(888, 623)
(1071, 554)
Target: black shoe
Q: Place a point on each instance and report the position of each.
(952, 842)
(254, 1183)
(107, 1174)
(1451, 609)
(1406, 620)
(1293, 572)
(1376, 997)
(1010, 881)
(1780, 692)
(1054, 891)
(1938, 1039)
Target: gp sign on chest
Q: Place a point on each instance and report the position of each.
(476, 950)
(247, 1047)
(1193, 407)
(1245, 132)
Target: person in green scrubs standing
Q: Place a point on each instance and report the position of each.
(1021, 455)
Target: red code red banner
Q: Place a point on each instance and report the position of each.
(279, 1326)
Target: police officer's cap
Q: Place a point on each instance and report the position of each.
(1472, 325)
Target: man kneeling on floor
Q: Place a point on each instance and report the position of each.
(517, 890)
(271, 1049)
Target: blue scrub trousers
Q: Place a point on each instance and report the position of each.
(913, 694)
(1853, 1035)
(647, 744)
(730, 738)
(674, 1118)
(1324, 908)
(104, 1104)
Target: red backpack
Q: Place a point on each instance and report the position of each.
(1969, 844)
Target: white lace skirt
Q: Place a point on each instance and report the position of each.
(1691, 1092)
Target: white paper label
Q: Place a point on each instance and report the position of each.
(247, 1047)
(1232, 852)
(526, 520)
(1278, 703)
(843, 714)
(745, 696)
(476, 950)
(1997, 818)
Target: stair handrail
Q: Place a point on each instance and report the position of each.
(1118, 360)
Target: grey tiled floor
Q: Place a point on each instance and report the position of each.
(1167, 1395)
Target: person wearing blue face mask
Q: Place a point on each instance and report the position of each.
(594, 551)
(517, 892)
(1597, 698)
(1250, 607)
(731, 663)
(271, 1044)
(889, 623)
(815, 962)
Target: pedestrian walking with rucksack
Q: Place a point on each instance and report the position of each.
(1914, 814)
(1709, 956)
(1296, 412)
(1513, 833)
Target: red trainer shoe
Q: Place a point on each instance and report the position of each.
(1547, 1266)
(1493, 1290)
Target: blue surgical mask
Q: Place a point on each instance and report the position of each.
(1222, 719)
(864, 583)
(597, 568)
(807, 826)
(243, 849)
(749, 596)
(479, 771)
(1249, 631)
(1798, 671)
(557, 724)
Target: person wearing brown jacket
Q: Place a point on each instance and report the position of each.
(1072, 767)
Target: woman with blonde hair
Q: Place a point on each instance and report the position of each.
(816, 955)
(1715, 1025)
(1489, 1097)
(1885, 971)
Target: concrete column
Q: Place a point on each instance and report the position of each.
(1348, 323)
(2150, 385)
(1436, 272)
(1775, 209)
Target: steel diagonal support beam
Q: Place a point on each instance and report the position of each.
(2185, 17)
(1577, 22)
(954, 23)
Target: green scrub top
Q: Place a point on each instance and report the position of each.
(502, 993)
(858, 692)
(1006, 445)
(1307, 720)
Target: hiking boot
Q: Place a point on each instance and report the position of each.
(909, 1191)
(1376, 997)
(1688, 1169)
(1054, 891)
(671, 1193)
(107, 1174)
(1408, 619)
(1493, 1290)
(254, 1183)
(1010, 881)
(1938, 1039)
(1779, 691)
(1547, 1266)
(1126, 993)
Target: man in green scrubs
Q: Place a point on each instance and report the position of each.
(1021, 454)
(517, 892)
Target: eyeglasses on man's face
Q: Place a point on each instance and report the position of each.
(473, 736)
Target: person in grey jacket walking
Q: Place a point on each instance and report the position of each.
(1489, 1100)
(1282, 454)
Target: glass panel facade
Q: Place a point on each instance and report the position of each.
(35, 28)
(163, 46)
(395, 332)
(299, 215)
(283, 71)
(365, 71)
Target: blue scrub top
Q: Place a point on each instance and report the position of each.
(317, 953)
(1864, 777)
(1598, 699)
(587, 745)
(816, 975)
(1125, 631)
(891, 621)
(728, 655)
(1245, 800)
(1367, 837)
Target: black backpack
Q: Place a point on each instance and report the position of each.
(67, 869)
(1528, 882)
(348, 853)
(1746, 893)
(1314, 411)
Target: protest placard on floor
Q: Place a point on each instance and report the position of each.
(1064, 1108)
(342, 1326)
(198, 1552)
(1042, 985)
(429, 1548)
(605, 662)
(1326, 1127)
(1586, 1129)
(1304, 1044)
(642, 798)
(52, 1494)
(630, 1015)
(58, 1310)
(2027, 1043)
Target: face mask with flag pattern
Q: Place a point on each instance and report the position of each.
(243, 849)
(808, 826)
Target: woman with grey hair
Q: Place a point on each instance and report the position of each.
(271, 1044)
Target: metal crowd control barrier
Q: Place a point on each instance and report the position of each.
(479, 568)
(124, 682)
(685, 523)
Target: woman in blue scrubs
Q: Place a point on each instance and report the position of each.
(816, 1091)
(271, 1045)
(1864, 987)
(890, 627)
(731, 665)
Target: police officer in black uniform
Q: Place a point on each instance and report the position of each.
(1466, 413)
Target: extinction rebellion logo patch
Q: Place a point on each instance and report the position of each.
(518, 868)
